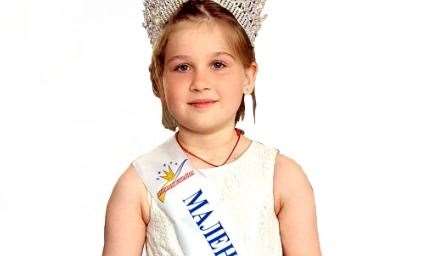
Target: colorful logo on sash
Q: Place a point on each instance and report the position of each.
(171, 178)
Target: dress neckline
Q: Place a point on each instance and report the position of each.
(213, 169)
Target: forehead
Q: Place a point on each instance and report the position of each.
(198, 39)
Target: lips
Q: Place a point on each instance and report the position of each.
(202, 103)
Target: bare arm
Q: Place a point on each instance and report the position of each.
(297, 212)
(125, 225)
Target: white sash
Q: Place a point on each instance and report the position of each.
(202, 226)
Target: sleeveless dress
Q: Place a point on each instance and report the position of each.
(244, 186)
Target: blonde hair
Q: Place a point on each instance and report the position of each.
(196, 10)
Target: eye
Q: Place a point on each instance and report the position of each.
(219, 64)
(181, 67)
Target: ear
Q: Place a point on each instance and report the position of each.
(250, 76)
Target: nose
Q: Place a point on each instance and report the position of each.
(199, 81)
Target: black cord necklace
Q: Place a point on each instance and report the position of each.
(238, 133)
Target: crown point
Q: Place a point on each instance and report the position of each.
(246, 12)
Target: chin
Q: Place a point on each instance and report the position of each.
(202, 126)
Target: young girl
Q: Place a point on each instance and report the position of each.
(208, 189)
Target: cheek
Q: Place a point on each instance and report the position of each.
(172, 88)
(171, 96)
(230, 87)
(232, 96)
(175, 99)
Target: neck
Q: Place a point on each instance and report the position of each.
(214, 144)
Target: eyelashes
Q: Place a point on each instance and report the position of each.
(181, 67)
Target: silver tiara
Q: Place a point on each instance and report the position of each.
(247, 13)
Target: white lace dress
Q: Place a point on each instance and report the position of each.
(244, 185)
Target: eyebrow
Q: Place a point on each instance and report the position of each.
(186, 56)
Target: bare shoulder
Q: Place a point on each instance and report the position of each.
(295, 208)
(291, 178)
(130, 188)
(125, 220)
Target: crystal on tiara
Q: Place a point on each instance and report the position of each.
(247, 13)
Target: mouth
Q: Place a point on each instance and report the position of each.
(202, 104)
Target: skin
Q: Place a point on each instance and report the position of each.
(209, 133)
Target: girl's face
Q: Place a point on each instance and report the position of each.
(199, 65)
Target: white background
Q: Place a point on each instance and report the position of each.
(344, 88)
